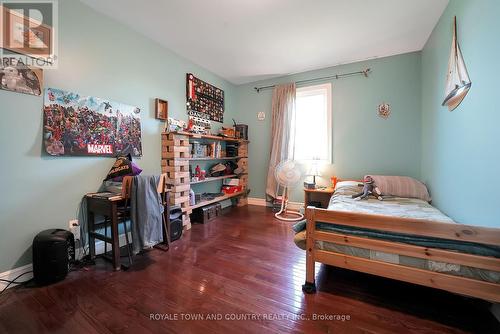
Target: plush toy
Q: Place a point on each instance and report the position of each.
(369, 188)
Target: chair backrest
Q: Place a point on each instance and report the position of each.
(127, 186)
(163, 187)
(162, 183)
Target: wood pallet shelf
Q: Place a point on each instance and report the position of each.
(175, 161)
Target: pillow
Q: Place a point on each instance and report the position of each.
(401, 186)
(344, 184)
(121, 167)
(347, 188)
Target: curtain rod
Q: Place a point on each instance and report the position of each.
(336, 76)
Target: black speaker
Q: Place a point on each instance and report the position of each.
(175, 223)
(53, 251)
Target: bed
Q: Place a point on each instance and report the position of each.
(401, 238)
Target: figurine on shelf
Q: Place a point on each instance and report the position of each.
(175, 125)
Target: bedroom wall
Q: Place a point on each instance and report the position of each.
(362, 141)
(460, 154)
(98, 57)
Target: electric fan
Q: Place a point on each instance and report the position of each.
(288, 175)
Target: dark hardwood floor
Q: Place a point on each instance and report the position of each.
(244, 264)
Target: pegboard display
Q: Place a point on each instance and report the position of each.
(204, 98)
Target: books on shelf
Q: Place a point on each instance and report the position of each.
(212, 150)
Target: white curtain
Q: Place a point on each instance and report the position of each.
(283, 113)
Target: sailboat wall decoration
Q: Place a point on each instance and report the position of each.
(457, 80)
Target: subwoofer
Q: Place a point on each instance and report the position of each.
(53, 252)
(175, 223)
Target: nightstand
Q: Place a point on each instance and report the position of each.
(321, 195)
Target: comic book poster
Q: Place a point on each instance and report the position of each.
(85, 125)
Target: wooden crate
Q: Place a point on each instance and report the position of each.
(174, 136)
(166, 169)
(180, 149)
(186, 221)
(180, 188)
(179, 194)
(178, 181)
(243, 164)
(176, 162)
(243, 150)
(175, 142)
(244, 180)
(177, 174)
(179, 200)
(176, 155)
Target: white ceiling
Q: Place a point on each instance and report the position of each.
(249, 40)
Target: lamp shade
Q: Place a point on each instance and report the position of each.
(314, 169)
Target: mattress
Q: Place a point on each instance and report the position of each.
(401, 207)
(406, 208)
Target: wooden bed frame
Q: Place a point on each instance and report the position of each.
(461, 285)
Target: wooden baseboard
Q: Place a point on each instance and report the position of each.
(257, 201)
(262, 202)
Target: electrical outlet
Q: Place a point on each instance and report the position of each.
(74, 227)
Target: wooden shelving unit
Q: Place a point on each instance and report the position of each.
(175, 159)
(210, 179)
(217, 199)
(199, 136)
(210, 158)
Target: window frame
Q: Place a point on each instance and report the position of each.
(308, 91)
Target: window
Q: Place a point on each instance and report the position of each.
(312, 124)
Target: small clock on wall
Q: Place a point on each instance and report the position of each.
(384, 110)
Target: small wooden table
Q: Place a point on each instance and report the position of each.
(321, 195)
(106, 207)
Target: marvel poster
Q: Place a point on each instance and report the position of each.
(85, 125)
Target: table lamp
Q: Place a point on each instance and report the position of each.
(314, 171)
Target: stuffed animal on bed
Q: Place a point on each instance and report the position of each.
(369, 188)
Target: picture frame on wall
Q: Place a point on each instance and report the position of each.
(19, 78)
(77, 125)
(161, 109)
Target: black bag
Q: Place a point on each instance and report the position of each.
(121, 167)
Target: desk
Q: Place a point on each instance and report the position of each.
(320, 194)
(107, 208)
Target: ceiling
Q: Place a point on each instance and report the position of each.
(249, 40)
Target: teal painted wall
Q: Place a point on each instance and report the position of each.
(449, 151)
(98, 57)
(460, 149)
(362, 141)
